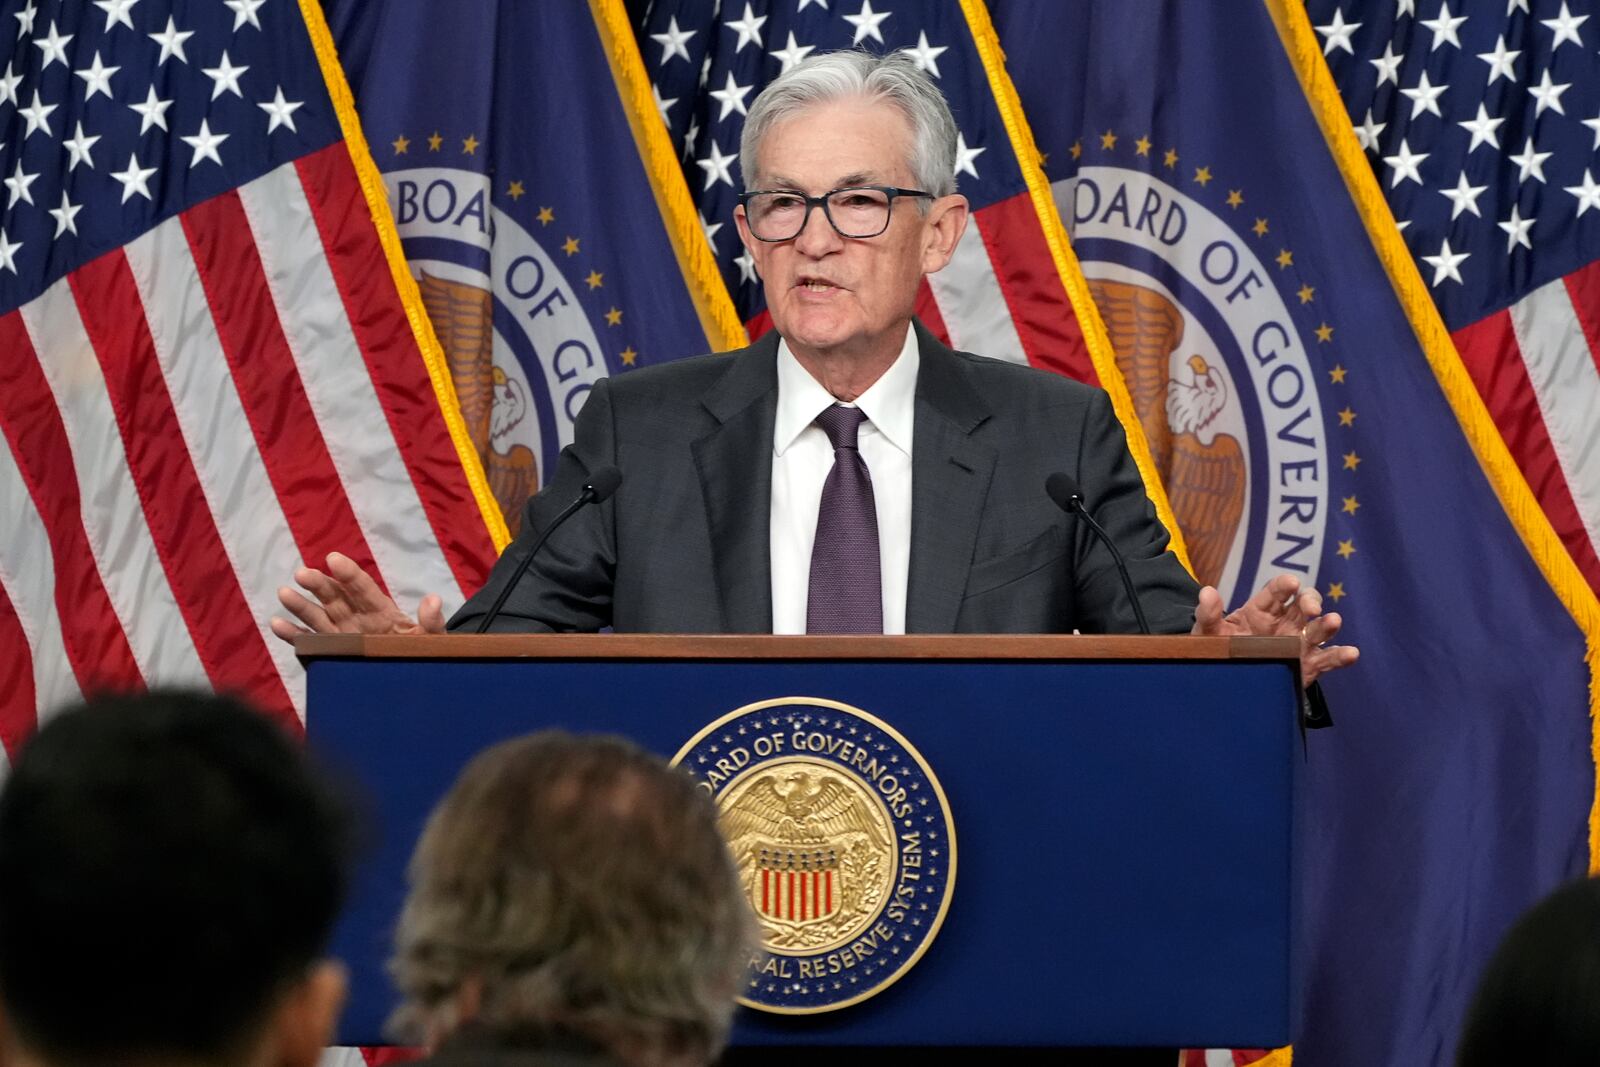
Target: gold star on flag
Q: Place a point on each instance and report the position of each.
(1324, 333)
(1077, 149)
(1044, 159)
(1347, 417)
(1305, 294)
(435, 141)
(1202, 175)
(1235, 197)
(1351, 461)
(570, 246)
(401, 143)
(629, 356)
(470, 145)
(546, 216)
(595, 279)
(613, 317)
(1285, 258)
(1171, 158)
(1335, 591)
(1336, 375)
(1142, 146)
(1260, 227)
(1351, 504)
(1108, 140)
(1347, 548)
(515, 191)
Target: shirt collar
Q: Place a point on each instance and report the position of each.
(889, 403)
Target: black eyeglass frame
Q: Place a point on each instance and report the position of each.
(892, 192)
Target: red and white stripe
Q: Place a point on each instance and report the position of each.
(36, 671)
(1222, 1057)
(1537, 366)
(1025, 273)
(971, 303)
(377, 1056)
(796, 894)
(183, 421)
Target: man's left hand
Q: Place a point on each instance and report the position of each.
(1281, 609)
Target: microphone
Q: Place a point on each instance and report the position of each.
(1064, 491)
(602, 483)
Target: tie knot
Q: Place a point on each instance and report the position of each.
(841, 424)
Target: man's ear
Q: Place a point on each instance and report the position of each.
(752, 247)
(303, 1022)
(946, 222)
(742, 224)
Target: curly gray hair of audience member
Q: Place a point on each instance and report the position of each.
(576, 884)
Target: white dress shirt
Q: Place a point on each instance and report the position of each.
(801, 460)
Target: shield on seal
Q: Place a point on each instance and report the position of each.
(796, 885)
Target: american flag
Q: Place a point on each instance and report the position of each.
(1002, 295)
(208, 371)
(1481, 119)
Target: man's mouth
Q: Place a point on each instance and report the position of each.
(816, 285)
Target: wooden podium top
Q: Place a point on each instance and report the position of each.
(763, 646)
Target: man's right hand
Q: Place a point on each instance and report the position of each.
(345, 600)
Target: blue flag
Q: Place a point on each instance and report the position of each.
(540, 206)
(1309, 416)
(1482, 123)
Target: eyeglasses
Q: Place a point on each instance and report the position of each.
(855, 212)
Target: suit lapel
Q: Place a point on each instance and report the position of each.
(950, 473)
(734, 462)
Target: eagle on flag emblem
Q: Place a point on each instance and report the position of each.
(492, 402)
(1203, 470)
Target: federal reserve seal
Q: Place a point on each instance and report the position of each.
(1216, 363)
(844, 844)
(505, 299)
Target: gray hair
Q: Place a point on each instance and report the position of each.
(583, 886)
(845, 75)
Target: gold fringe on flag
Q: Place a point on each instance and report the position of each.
(718, 317)
(1067, 266)
(377, 197)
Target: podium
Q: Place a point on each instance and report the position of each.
(1124, 808)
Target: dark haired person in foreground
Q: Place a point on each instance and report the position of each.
(169, 873)
(1538, 1002)
(572, 902)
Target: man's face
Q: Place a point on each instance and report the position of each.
(833, 294)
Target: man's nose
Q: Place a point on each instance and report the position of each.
(817, 237)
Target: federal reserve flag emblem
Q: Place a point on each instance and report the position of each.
(1215, 356)
(844, 842)
(518, 319)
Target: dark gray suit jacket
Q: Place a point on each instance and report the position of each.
(683, 545)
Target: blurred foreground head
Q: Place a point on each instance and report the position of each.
(169, 873)
(1539, 999)
(572, 891)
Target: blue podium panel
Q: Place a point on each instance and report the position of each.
(1125, 869)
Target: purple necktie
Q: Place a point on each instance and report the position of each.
(846, 592)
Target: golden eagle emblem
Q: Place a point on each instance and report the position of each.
(1203, 469)
(815, 851)
(492, 403)
(844, 844)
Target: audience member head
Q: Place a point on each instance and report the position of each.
(1538, 1001)
(573, 886)
(170, 870)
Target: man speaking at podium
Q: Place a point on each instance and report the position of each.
(847, 473)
